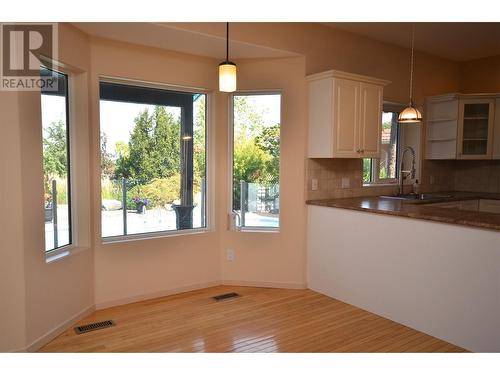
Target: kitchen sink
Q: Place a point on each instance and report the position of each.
(418, 197)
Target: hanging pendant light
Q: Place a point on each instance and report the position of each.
(410, 114)
(227, 70)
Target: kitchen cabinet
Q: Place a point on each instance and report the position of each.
(475, 128)
(345, 115)
(489, 205)
(441, 113)
(463, 126)
(496, 130)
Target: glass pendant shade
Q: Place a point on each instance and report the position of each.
(227, 76)
(410, 115)
(227, 70)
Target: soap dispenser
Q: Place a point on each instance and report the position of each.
(416, 187)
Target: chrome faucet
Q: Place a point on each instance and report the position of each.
(402, 173)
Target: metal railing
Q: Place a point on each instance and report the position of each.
(123, 186)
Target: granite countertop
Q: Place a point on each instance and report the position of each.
(421, 210)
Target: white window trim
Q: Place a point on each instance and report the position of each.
(375, 171)
(210, 166)
(154, 235)
(63, 251)
(231, 225)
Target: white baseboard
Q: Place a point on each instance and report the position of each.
(264, 284)
(162, 293)
(53, 333)
(190, 288)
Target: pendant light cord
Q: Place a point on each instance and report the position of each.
(411, 63)
(227, 41)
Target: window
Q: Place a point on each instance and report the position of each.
(385, 169)
(153, 160)
(256, 159)
(56, 162)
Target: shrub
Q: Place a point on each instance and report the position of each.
(159, 192)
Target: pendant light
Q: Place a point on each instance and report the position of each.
(227, 70)
(410, 114)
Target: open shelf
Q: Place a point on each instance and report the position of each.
(441, 139)
(441, 119)
(476, 118)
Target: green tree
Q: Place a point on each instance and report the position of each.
(55, 158)
(153, 150)
(107, 163)
(269, 141)
(199, 139)
(256, 148)
(165, 143)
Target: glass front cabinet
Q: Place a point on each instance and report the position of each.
(475, 128)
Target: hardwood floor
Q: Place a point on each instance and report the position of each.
(261, 320)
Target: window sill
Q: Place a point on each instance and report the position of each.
(154, 235)
(257, 230)
(62, 253)
(382, 184)
(386, 184)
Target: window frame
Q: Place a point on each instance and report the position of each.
(232, 214)
(375, 179)
(61, 251)
(209, 204)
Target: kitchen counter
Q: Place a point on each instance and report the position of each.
(421, 210)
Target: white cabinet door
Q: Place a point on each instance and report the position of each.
(496, 131)
(489, 205)
(475, 128)
(370, 120)
(346, 104)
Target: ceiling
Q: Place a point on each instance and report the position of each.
(451, 40)
(458, 41)
(168, 36)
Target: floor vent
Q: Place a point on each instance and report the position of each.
(222, 297)
(94, 326)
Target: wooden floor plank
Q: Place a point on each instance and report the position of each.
(261, 320)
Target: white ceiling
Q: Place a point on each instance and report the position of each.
(459, 41)
(167, 36)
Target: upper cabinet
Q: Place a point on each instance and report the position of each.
(496, 130)
(441, 113)
(475, 128)
(462, 127)
(345, 115)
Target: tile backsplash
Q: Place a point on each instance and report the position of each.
(436, 175)
(330, 172)
(477, 175)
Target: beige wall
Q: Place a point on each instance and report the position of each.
(57, 291)
(481, 75)
(138, 269)
(12, 288)
(40, 296)
(271, 258)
